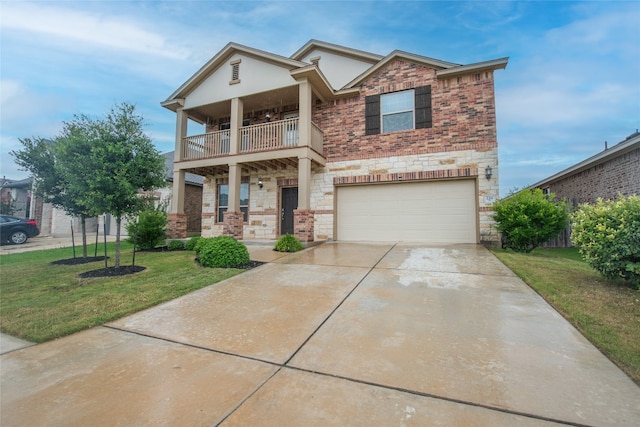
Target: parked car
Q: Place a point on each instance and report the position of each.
(16, 230)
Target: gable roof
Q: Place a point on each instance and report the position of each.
(632, 142)
(341, 50)
(300, 69)
(214, 63)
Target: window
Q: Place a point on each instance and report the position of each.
(223, 201)
(397, 111)
(409, 109)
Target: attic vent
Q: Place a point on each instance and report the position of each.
(235, 71)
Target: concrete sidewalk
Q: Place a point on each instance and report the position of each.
(39, 243)
(338, 334)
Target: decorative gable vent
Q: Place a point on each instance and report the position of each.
(235, 71)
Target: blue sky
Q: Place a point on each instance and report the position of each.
(573, 79)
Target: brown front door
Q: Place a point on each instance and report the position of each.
(289, 203)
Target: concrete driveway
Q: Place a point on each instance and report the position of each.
(339, 334)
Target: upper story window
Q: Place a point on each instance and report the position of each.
(390, 112)
(397, 111)
(235, 71)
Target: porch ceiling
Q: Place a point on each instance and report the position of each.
(257, 102)
(262, 166)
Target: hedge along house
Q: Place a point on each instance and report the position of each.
(337, 143)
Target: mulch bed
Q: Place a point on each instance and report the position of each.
(112, 271)
(132, 269)
(78, 261)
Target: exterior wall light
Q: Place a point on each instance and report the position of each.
(260, 183)
(488, 172)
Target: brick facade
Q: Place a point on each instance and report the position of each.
(233, 225)
(177, 226)
(463, 116)
(620, 175)
(303, 220)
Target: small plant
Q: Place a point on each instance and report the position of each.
(222, 252)
(529, 218)
(176, 245)
(288, 243)
(191, 243)
(608, 236)
(150, 230)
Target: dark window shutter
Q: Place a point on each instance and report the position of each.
(423, 107)
(372, 115)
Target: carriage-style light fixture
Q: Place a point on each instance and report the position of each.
(488, 172)
(260, 182)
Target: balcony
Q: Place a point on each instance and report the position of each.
(279, 135)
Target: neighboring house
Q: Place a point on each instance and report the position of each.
(16, 196)
(612, 172)
(337, 143)
(192, 196)
(616, 170)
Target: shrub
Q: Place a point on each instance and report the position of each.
(191, 243)
(150, 230)
(608, 236)
(222, 252)
(176, 245)
(288, 243)
(528, 218)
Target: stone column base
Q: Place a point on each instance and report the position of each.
(177, 226)
(303, 220)
(233, 225)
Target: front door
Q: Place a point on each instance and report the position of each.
(289, 203)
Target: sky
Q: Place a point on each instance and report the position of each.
(572, 82)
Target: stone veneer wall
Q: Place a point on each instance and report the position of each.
(264, 203)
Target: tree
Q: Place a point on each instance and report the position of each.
(529, 218)
(122, 162)
(53, 163)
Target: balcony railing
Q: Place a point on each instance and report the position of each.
(263, 137)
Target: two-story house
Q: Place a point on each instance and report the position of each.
(337, 143)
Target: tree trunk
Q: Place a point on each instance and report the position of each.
(118, 222)
(83, 221)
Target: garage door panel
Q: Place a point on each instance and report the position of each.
(443, 211)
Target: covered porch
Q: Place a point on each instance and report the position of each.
(250, 141)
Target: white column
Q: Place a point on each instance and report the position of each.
(181, 132)
(177, 198)
(235, 175)
(304, 183)
(235, 124)
(305, 97)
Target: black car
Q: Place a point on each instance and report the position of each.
(17, 230)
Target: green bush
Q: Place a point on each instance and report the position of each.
(176, 245)
(222, 252)
(608, 236)
(150, 229)
(288, 243)
(529, 218)
(191, 243)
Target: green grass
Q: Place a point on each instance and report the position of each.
(607, 313)
(40, 301)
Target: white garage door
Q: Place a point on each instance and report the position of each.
(438, 212)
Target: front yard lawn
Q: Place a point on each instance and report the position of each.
(40, 301)
(607, 313)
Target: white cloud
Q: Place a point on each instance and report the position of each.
(85, 29)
